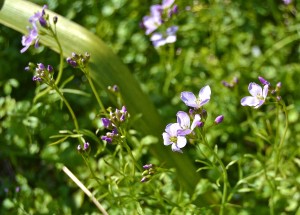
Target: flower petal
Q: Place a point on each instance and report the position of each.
(189, 99)
(250, 101)
(254, 89)
(183, 119)
(181, 141)
(166, 138)
(265, 91)
(176, 149)
(196, 121)
(204, 93)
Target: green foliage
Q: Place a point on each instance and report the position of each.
(217, 40)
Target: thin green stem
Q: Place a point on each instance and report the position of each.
(68, 106)
(95, 92)
(224, 174)
(279, 148)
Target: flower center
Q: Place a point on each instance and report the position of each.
(173, 139)
(260, 97)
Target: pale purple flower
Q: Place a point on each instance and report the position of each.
(28, 40)
(151, 23)
(190, 99)
(159, 39)
(171, 137)
(39, 17)
(32, 37)
(258, 95)
(183, 119)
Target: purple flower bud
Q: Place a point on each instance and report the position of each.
(226, 84)
(43, 22)
(106, 122)
(27, 68)
(86, 146)
(50, 68)
(115, 88)
(55, 18)
(36, 78)
(71, 62)
(278, 85)
(235, 80)
(18, 189)
(278, 98)
(41, 66)
(107, 139)
(219, 119)
(144, 179)
(263, 81)
(115, 132)
(148, 166)
(200, 124)
(203, 114)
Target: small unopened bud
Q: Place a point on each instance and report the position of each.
(50, 68)
(204, 114)
(79, 147)
(263, 81)
(145, 178)
(278, 85)
(219, 119)
(148, 166)
(55, 18)
(200, 124)
(86, 146)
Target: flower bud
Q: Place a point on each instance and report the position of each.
(263, 81)
(219, 119)
(55, 18)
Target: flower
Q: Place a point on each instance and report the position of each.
(190, 99)
(159, 39)
(170, 136)
(28, 40)
(32, 37)
(39, 17)
(183, 120)
(258, 97)
(152, 22)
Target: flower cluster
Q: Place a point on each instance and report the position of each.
(150, 170)
(259, 94)
(33, 36)
(176, 133)
(85, 147)
(79, 60)
(160, 14)
(113, 123)
(42, 73)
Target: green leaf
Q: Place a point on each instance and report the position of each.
(106, 70)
